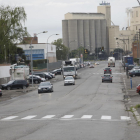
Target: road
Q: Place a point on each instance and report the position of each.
(89, 110)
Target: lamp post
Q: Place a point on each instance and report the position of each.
(31, 54)
(47, 51)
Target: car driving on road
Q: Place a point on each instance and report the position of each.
(107, 71)
(69, 80)
(107, 77)
(45, 87)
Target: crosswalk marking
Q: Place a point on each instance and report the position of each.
(86, 117)
(106, 117)
(67, 116)
(48, 117)
(28, 117)
(125, 118)
(9, 118)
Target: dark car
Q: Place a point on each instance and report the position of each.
(0, 92)
(36, 79)
(107, 71)
(107, 77)
(134, 72)
(41, 74)
(47, 75)
(15, 84)
(57, 72)
(45, 87)
(129, 67)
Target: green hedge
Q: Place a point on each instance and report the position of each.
(41, 61)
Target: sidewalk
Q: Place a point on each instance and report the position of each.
(131, 98)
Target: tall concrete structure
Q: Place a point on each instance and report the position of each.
(89, 30)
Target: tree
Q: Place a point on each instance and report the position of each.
(11, 30)
(62, 51)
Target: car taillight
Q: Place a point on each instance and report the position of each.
(109, 70)
(104, 70)
(102, 77)
(110, 77)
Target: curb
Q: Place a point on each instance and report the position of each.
(136, 114)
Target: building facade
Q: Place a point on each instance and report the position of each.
(40, 51)
(89, 30)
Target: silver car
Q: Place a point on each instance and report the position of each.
(69, 80)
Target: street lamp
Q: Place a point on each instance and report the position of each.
(47, 51)
(31, 54)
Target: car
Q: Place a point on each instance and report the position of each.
(69, 80)
(15, 84)
(36, 79)
(134, 72)
(135, 68)
(57, 71)
(45, 87)
(91, 66)
(107, 71)
(130, 67)
(96, 63)
(138, 89)
(107, 77)
(48, 75)
(52, 74)
(41, 74)
(0, 92)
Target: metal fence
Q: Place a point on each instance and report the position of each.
(51, 66)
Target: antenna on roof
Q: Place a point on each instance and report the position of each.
(138, 2)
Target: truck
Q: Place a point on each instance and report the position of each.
(77, 62)
(19, 72)
(111, 61)
(69, 69)
(127, 60)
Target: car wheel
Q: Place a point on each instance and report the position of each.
(36, 82)
(8, 88)
(24, 87)
(64, 84)
(38, 92)
(111, 81)
(102, 81)
(52, 90)
(139, 92)
(0, 94)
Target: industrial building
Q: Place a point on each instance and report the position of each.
(39, 50)
(89, 30)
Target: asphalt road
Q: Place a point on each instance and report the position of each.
(88, 110)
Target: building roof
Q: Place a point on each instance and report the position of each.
(86, 13)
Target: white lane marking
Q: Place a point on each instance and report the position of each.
(106, 117)
(48, 117)
(9, 118)
(28, 117)
(125, 118)
(67, 116)
(86, 117)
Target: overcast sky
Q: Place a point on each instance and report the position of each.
(47, 15)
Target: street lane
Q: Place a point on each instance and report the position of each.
(88, 110)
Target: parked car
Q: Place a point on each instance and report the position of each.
(69, 80)
(52, 74)
(134, 72)
(91, 66)
(41, 74)
(0, 92)
(57, 71)
(138, 89)
(107, 77)
(107, 71)
(45, 87)
(48, 75)
(135, 68)
(129, 67)
(15, 84)
(36, 79)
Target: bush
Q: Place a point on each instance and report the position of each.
(41, 61)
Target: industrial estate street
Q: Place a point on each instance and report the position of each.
(88, 110)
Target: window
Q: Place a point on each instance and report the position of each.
(136, 13)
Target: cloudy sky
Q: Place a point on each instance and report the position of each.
(47, 15)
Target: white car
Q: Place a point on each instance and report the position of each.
(96, 63)
(69, 80)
